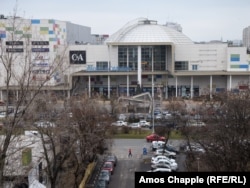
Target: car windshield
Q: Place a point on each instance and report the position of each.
(111, 158)
(104, 173)
(101, 183)
(107, 165)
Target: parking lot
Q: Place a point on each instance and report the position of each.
(139, 162)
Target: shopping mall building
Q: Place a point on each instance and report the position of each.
(142, 56)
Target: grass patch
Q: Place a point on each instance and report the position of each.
(133, 134)
(176, 135)
(141, 134)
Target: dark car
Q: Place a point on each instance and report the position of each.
(112, 158)
(104, 175)
(101, 184)
(154, 137)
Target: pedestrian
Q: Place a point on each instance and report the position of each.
(129, 153)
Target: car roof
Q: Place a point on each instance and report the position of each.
(108, 162)
(104, 170)
(162, 169)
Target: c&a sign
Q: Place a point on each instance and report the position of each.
(77, 57)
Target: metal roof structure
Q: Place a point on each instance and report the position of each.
(143, 30)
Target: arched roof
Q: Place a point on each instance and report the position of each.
(143, 30)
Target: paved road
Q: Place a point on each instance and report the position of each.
(124, 172)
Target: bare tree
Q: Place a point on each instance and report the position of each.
(92, 124)
(78, 135)
(226, 137)
(17, 67)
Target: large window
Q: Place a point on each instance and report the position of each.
(181, 65)
(128, 54)
(146, 57)
(122, 56)
(133, 57)
(159, 57)
(155, 55)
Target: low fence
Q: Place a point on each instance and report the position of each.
(87, 174)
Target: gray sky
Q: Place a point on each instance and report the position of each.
(201, 20)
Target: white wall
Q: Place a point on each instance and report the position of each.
(207, 56)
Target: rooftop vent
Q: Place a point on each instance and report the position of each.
(145, 22)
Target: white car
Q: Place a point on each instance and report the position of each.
(134, 125)
(165, 152)
(195, 123)
(122, 117)
(44, 124)
(158, 116)
(144, 123)
(160, 170)
(160, 157)
(165, 163)
(157, 144)
(194, 148)
(119, 123)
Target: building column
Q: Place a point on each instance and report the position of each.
(230, 83)
(1, 95)
(108, 86)
(89, 86)
(166, 90)
(68, 93)
(211, 86)
(139, 66)
(192, 87)
(127, 85)
(176, 86)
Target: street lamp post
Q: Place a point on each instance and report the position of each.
(153, 115)
(198, 163)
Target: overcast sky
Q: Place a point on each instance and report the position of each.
(201, 20)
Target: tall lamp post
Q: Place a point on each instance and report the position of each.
(198, 164)
(153, 115)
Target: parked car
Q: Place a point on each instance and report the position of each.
(112, 158)
(195, 123)
(149, 117)
(157, 144)
(165, 152)
(158, 116)
(119, 123)
(144, 123)
(154, 137)
(108, 166)
(134, 125)
(194, 148)
(165, 163)
(155, 159)
(101, 184)
(122, 117)
(162, 145)
(157, 111)
(44, 124)
(105, 175)
(160, 170)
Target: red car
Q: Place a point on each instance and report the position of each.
(155, 137)
(108, 166)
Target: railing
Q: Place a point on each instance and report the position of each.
(109, 69)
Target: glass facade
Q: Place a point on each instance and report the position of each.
(181, 65)
(102, 65)
(155, 55)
